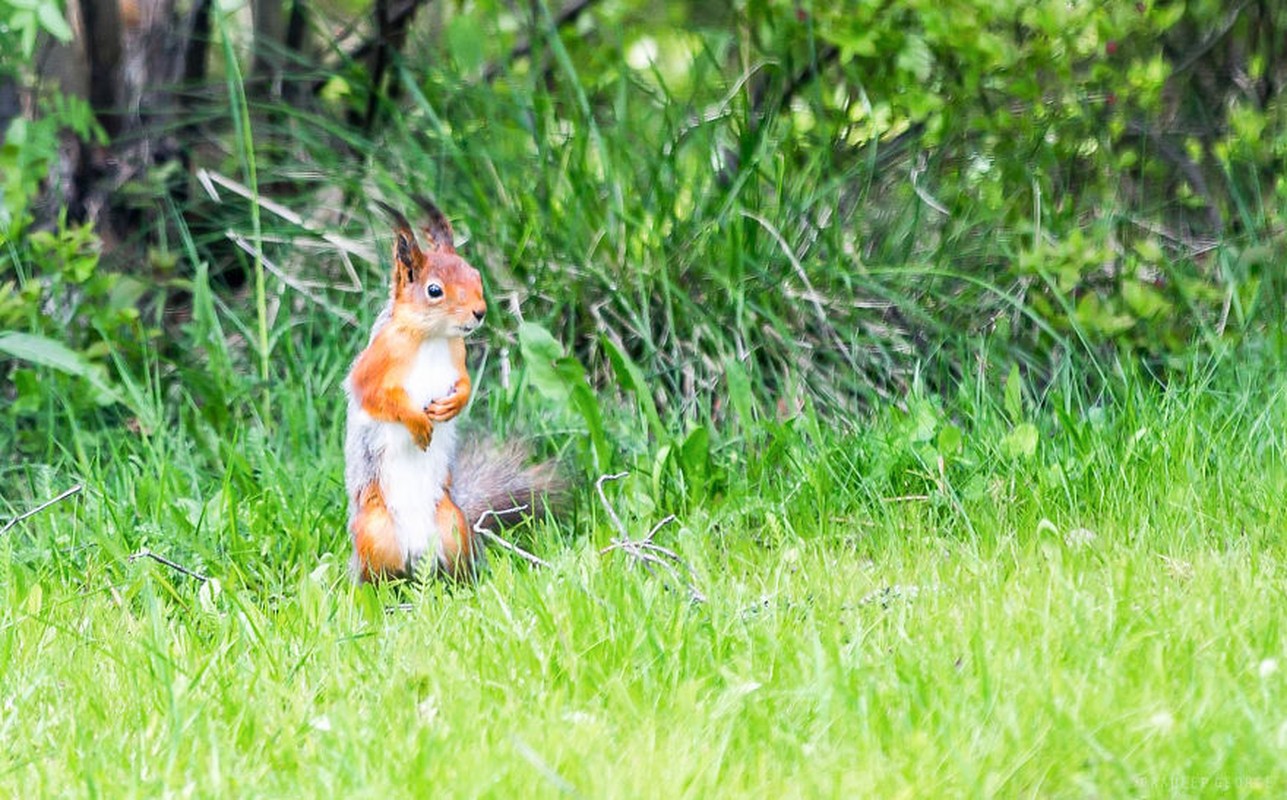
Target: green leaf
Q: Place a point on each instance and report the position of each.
(922, 420)
(916, 58)
(51, 18)
(335, 89)
(586, 403)
(561, 378)
(1144, 301)
(739, 391)
(695, 452)
(25, 22)
(29, 393)
(1021, 442)
(632, 379)
(34, 600)
(541, 353)
(1149, 250)
(45, 352)
(694, 458)
(1014, 394)
(465, 41)
(949, 440)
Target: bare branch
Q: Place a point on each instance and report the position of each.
(669, 518)
(160, 559)
(505, 544)
(208, 180)
(251, 250)
(33, 512)
(603, 498)
(646, 552)
(608, 507)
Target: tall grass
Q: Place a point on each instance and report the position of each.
(889, 607)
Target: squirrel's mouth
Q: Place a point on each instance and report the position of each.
(465, 330)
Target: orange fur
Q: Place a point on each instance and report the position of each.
(375, 545)
(457, 539)
(377, 380)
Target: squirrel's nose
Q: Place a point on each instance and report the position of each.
(478, 313)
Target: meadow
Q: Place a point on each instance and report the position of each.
(899, 604)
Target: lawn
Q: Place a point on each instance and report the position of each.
(914, 602)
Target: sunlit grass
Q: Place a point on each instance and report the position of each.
(1098, 617)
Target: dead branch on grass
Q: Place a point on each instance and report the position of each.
(505, 544)
(33, 512)
(160, 559)
(647, 552)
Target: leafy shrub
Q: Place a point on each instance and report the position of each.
(1102, 151)
(785, 202)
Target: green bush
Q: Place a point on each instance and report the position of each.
(1116, 158)
(829, 196)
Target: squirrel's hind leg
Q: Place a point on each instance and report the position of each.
(376, 552)
(456, 539)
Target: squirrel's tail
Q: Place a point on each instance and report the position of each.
(487, 477)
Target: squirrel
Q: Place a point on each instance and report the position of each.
(411, 494)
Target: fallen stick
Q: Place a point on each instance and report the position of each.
(33, 512)
(160, 559)
(505, 544)
(647, 552)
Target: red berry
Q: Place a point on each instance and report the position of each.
(1111, 48)
(801, 14)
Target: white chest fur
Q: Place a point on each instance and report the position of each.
(412, 479)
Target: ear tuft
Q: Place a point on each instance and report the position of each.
(436, 229)
(399, 221)
(406, 253)
(404, 250)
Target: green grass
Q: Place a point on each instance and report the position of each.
(876, 624)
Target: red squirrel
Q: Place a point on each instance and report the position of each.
(411, 494)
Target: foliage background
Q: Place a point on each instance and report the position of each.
(846, 192)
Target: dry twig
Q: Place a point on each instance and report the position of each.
(33, 512)
(160, 559)
(250, 249)
(505, 544)
(603, 498)
(342, 244)
(645, 550)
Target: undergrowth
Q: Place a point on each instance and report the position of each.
(930, 600)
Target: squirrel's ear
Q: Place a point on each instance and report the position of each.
(407, 257)
(437, 229)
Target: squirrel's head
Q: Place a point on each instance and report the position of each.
(435, 291)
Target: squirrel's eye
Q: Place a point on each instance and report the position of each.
(434, 291)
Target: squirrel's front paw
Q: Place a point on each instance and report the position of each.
(446, 408)
(421, 431)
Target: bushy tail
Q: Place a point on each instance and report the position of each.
(488, 477)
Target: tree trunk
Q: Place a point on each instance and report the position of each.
(103, 50)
